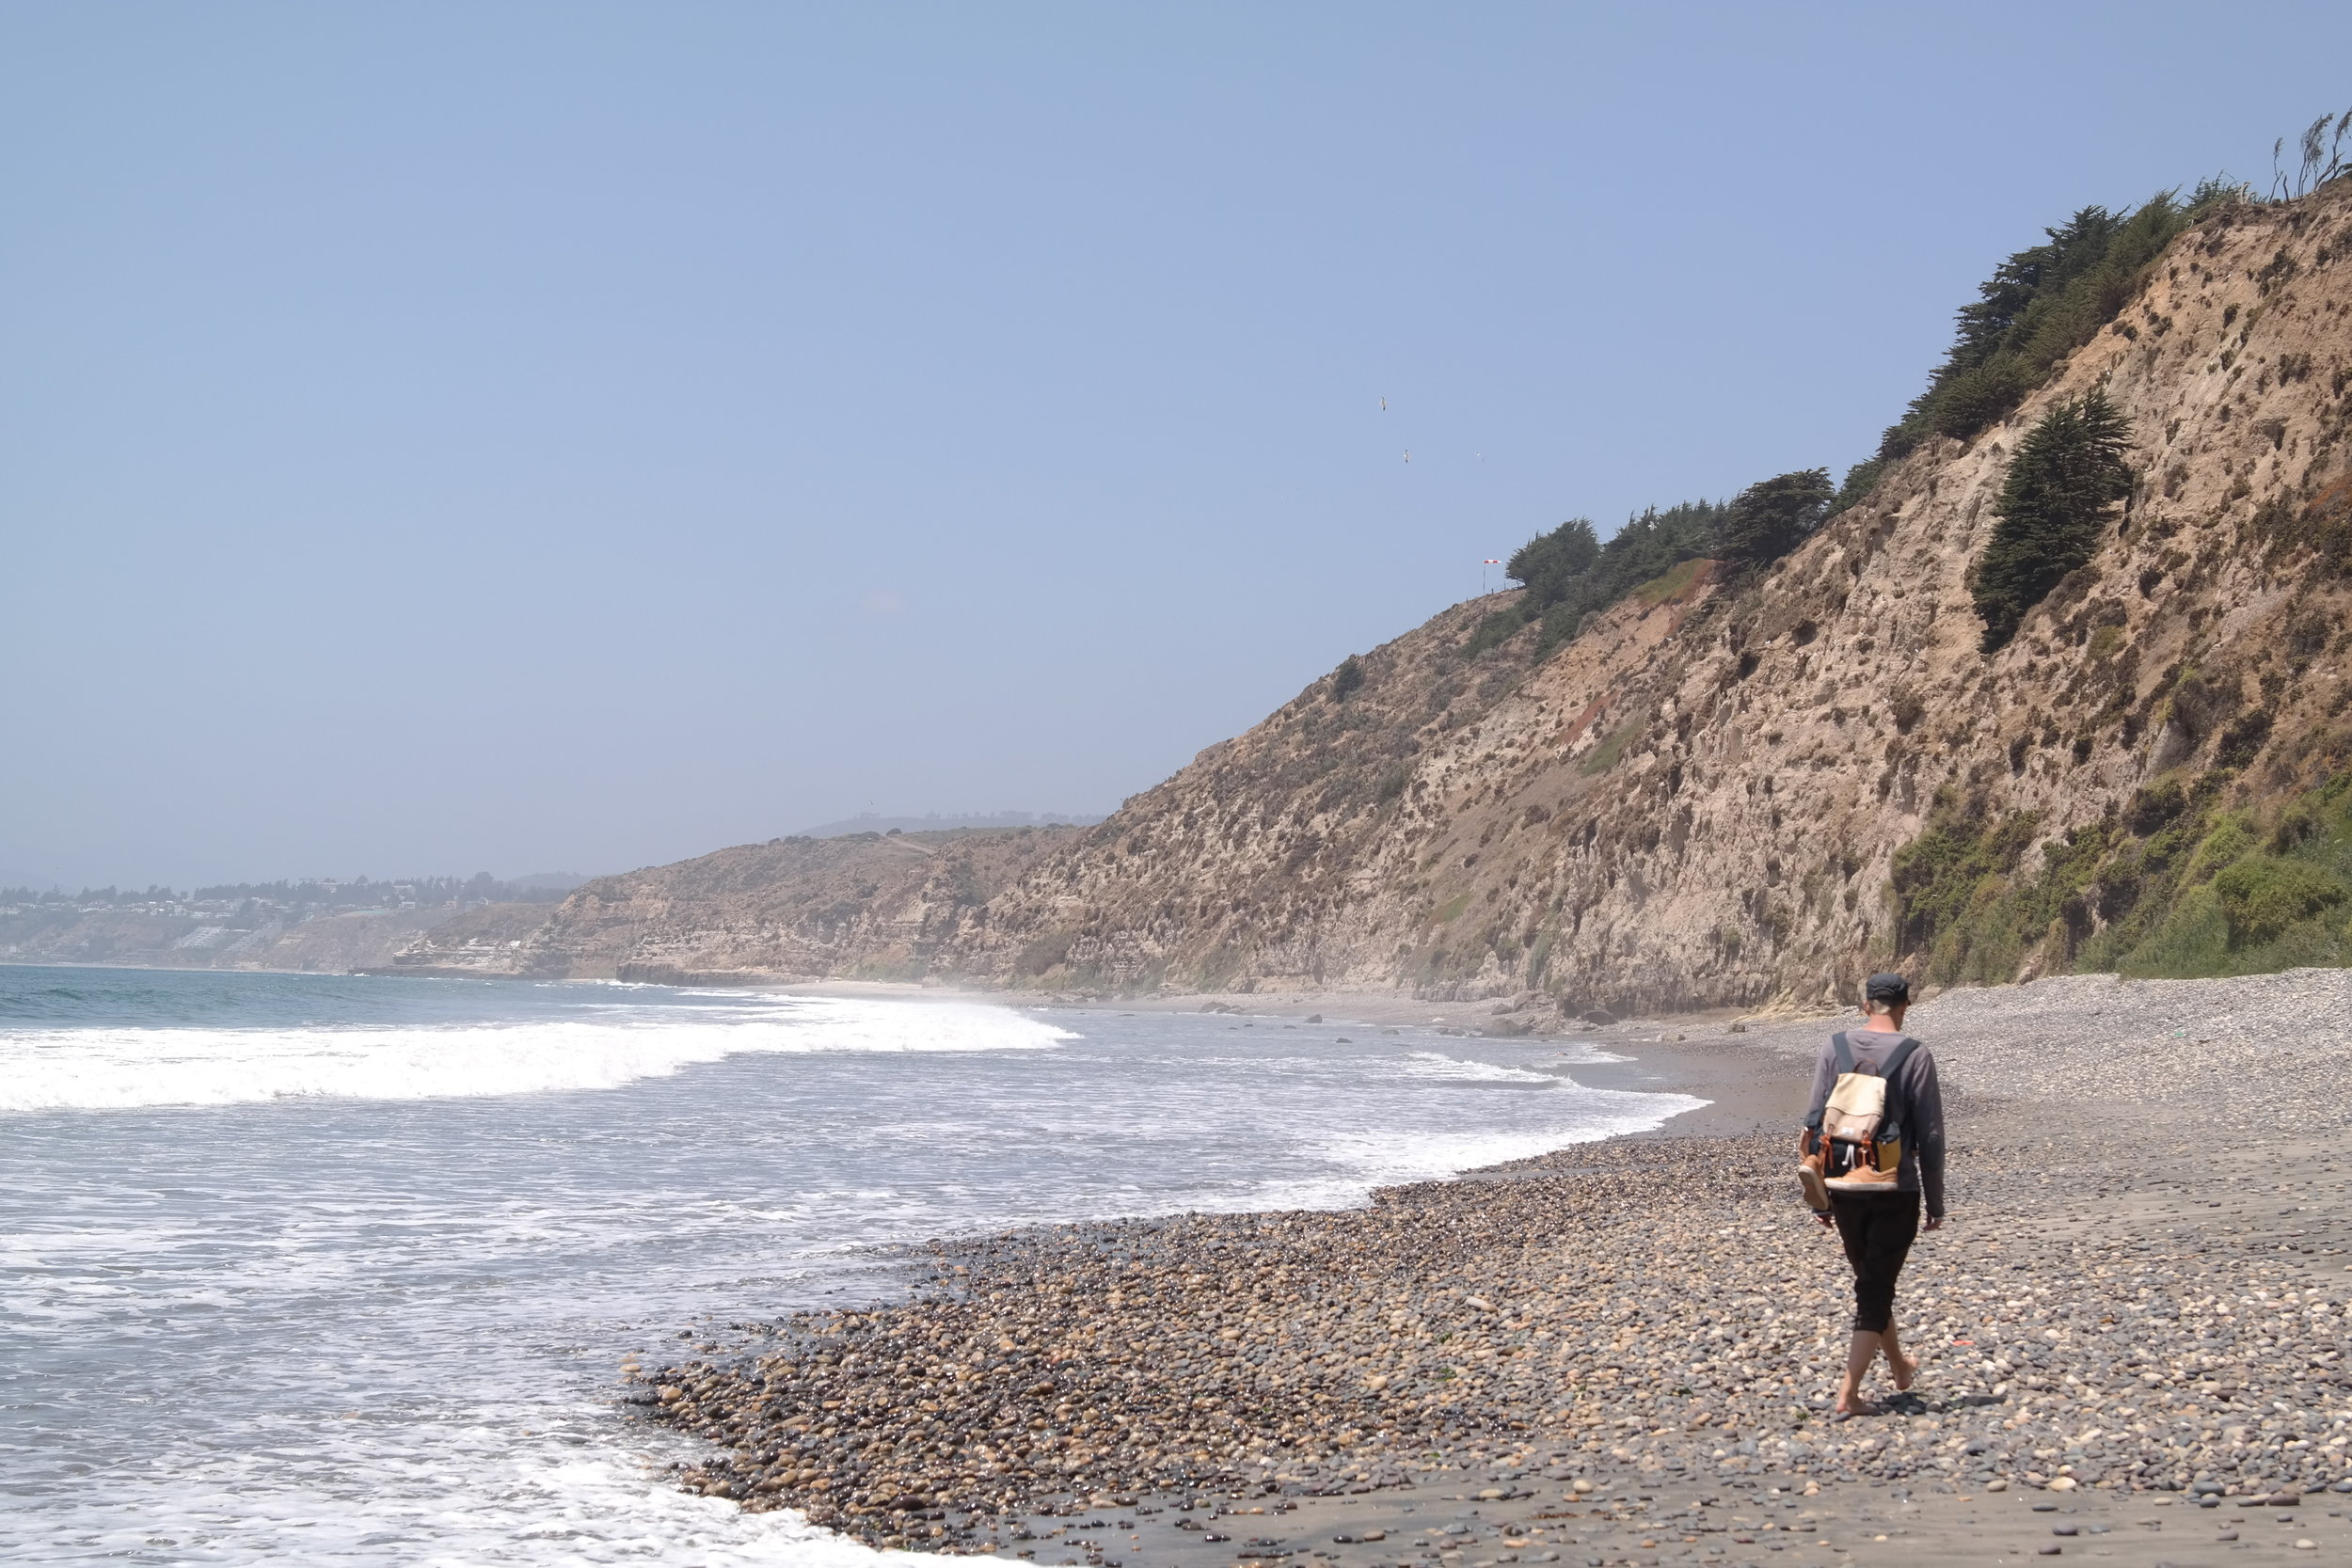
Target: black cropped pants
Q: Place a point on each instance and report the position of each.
(1878, 1230)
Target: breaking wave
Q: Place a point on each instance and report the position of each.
(111, 1069)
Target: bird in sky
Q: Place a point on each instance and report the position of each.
(1384, 405)
(1409, 457)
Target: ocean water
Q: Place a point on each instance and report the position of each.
(324, 1269)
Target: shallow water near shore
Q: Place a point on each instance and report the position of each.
(341, 1269)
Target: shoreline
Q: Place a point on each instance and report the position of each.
(1651, 1315)
(1741, 1075)
(1701, 1055)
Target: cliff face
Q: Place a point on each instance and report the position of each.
(1704, 798)
(1359, 836)
(484, 941)
(1729, 790)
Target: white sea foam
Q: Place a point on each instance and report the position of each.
(47, 1070)
(390, 1338)
(1431, 1064)
(1581, 1053)
(515, 1501)
(1374, 1160)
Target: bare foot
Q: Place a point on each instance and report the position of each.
(1904, 1369)
(1849, 1408)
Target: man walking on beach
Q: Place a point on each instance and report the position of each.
(1878, 1227)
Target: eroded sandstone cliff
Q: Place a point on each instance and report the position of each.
(1704, 798)
(1732, 788)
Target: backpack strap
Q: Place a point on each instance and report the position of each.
(1842, 1059)
(1897, 1057)
(1891, 1123)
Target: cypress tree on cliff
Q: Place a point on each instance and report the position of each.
(2052, 507)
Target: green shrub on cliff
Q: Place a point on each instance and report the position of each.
(1551, 564)
(2067, 473)
(2039, 307)
(1569, 574)
(1604, 757)
(1860, 479)
(2177, 885)
(1770, 518)
(2263, 895)
(1659, 589)
(1949, 881)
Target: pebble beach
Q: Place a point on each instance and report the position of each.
(2138, 1305)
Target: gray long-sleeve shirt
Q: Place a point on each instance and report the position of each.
(1922, 1103)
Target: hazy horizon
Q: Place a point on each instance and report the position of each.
(545, 437)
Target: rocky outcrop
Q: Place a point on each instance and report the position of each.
(482, 941)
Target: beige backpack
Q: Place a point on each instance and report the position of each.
(1855, 1142)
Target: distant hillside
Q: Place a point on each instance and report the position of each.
(866, 905)
(540, 883)
(870, 822)
(330, 926)
(328, 942)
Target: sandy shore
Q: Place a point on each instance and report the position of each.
(1623, 1352)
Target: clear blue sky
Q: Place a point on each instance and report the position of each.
(441, 437)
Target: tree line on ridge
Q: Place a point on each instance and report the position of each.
(2040, 306)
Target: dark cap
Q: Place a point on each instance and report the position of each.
(1892, 991)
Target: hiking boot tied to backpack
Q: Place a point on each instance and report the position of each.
(1855, 1142)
